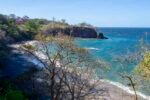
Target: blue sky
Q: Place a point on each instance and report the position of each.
(103, 13)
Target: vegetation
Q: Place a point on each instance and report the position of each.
(84, 24)
(67, 69)
(70, 70)
(8, 28)
(13, 95)
(143, 68)
(9, 92)
(14, 29)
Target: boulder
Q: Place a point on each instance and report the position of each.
(101, 35)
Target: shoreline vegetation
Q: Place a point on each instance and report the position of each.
(115, 90)
(15, 29)
(72, 80)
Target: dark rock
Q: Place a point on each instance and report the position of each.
(82, 32)
(101, 35)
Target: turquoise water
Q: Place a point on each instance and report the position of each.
(120, 51)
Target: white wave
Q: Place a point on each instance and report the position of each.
(127, 89)
(92, 48)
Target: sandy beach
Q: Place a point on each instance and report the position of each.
(118, 91)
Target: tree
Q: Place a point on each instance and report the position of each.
(3, 19)
(12, 16)
(63, 21)
(8, 25)
(32, 26)
(134, 79)
(25, 18)
(143, 68)
(84, 24)
(70, 69)
(131, 84)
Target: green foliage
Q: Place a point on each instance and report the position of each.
(9, 27)
(18, 32)
(55, 25)
(3, 19)
(143, 68)
(13, 95)
(81, 50)
(13, 30)
(9, 92)
(18, 29)
(84, 24)
(41, 21)
(29, 47)
(32, 26)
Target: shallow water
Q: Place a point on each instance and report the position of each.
(120, 51)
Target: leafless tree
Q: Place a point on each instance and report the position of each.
(131, 84)
(70, 69)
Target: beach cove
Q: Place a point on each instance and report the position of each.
(115, 89)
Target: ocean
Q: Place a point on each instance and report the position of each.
(121, 53)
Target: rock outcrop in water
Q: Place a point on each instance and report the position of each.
(101, 35)
(82, 32)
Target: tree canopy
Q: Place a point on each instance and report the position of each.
(144, 67)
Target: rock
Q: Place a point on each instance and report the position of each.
(101, 35)
(82, 32)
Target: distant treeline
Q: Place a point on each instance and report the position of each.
(15, 29)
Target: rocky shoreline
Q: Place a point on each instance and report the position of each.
(75, 31)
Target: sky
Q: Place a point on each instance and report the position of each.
(101, 13)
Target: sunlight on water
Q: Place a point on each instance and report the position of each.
(120, 50)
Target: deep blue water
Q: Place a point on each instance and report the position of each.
(120, 51)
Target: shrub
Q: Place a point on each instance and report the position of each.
(144, 67)
(13, 95)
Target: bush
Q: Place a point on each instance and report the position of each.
(13, 95)
(8, 91)
(143, 68)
